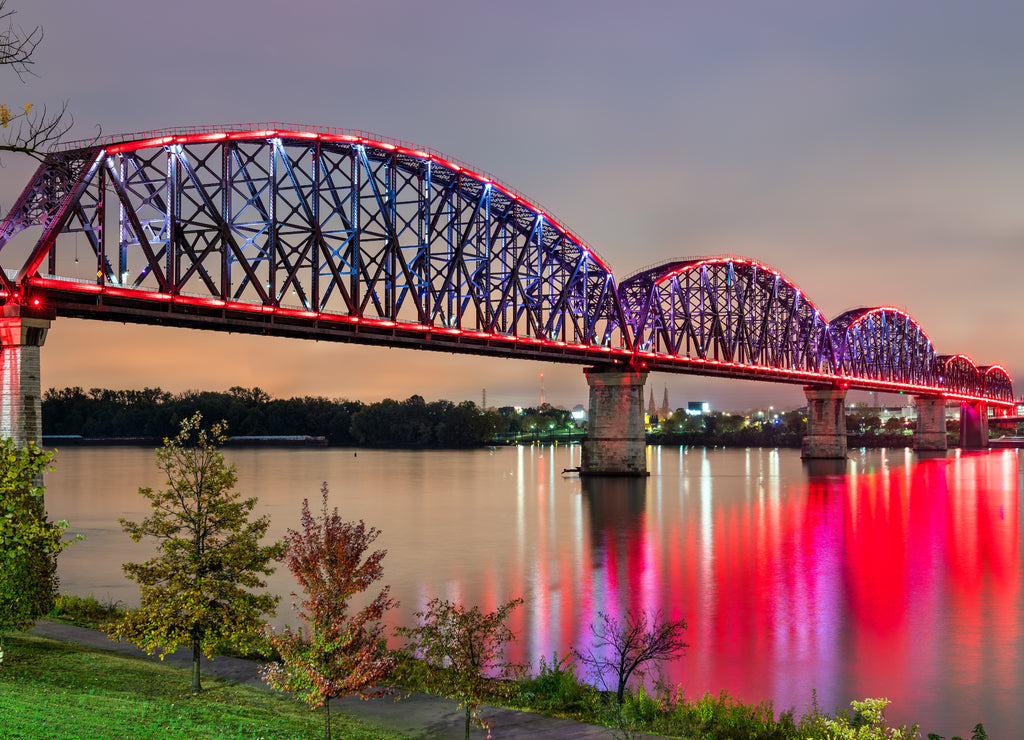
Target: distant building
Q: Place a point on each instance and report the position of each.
(696, 408)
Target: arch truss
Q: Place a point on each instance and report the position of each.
(960, 374)
(735, 316)
(883, 344)
(315, 224)
(731, 310)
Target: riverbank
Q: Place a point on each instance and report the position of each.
(114, 690)
(61, 680)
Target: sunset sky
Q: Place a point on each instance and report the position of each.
(872, 152)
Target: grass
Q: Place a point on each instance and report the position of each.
(85, 611)
(51, 689)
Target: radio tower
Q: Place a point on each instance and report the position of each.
(484, 406)
(542, 389)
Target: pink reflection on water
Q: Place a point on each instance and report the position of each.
(897, 578)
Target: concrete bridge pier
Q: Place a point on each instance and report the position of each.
(826, 424)
(931, 424)
(21, 338)
(616, 443)
(974, 425)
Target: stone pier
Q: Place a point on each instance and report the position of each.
(21, 338)
(973, 425)
(615, 443)
(930, 434)
(826, 424)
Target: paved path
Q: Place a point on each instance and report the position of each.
(417, 715)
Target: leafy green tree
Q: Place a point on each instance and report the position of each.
(344, 652)
(29, 544)
(467, 647)
(199, 589)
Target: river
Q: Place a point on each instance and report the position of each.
(890, 575)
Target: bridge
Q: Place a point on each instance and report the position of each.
(342, 235)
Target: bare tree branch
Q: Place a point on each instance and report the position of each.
(625, 647)
(36, 132)
(32, 130)
(17, 45)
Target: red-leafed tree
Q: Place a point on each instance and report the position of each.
(344, 651)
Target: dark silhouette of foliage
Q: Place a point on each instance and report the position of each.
(198, 589)
(344, 651)
(153, 414)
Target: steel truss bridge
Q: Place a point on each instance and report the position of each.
(336, 234)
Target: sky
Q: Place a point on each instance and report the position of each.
(871, 152)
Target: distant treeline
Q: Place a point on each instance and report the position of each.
(864, 428)
(154, 413)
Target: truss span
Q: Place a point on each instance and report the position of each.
(735, 316)
(271, 226)
(342, 235)
(725, 309)
(883, 344)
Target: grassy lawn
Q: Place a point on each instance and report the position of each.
(52, 689)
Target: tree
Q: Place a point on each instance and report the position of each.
(894, 424)
(27, 130)
(198, 589)
(344, 653)
(29, 544)
(869, 724)
(468, 648)
(624, 648)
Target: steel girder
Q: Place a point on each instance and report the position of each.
(726, 309)
(735, 310)
(338, 225)
(959, 373)
(883, 344)
(997, 383)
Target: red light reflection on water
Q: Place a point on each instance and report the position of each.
(894, 577)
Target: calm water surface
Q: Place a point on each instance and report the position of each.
(890, 576)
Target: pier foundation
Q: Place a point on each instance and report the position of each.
(930, 434)
(826, 424)
(616, 443)
(974, 425)
(21, 338)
